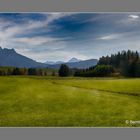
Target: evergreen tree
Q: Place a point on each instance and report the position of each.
(32, 71)
(64, 70)
(126, 62)
(16, 71)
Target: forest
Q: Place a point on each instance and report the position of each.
(125, 63)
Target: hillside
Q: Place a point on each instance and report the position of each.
(9, 57)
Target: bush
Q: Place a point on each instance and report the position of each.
(103, 70)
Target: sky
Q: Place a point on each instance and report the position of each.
(62, 36)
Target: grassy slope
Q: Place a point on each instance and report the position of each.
(36, 101)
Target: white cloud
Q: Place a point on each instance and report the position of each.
(110, 37)
(133, 16)
(30, 25)
(7, 34)
(35, 40)
(49, 19)
(130, 20)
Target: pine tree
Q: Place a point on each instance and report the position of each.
(64, 70)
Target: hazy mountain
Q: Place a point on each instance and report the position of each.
(9, 57)
(50, 62)
(72, 60)
(53, 63)
(80, 64)
(61, 62)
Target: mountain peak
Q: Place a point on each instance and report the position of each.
(9, 57)
(10, 50)
(73, 60)
(6, 50)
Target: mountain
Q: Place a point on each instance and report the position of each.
(80, 64)
(50, 62)
(83, 64)
(72, 60)
(59, 62)
(53, 63)
(9, 57)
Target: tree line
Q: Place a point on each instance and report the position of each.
(97, 71)
(26, 71)
(125, 63)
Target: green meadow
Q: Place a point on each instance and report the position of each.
(33, 101)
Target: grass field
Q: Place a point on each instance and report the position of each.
(71, 102)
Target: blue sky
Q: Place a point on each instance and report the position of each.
(61, 36)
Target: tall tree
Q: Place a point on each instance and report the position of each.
(64, 70)
(32, 71)
(16, 71)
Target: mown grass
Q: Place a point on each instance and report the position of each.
(57, 102)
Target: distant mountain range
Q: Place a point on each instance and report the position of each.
(72, 60)
(53, 63)
(80, 64)
(9, 57)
